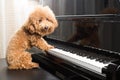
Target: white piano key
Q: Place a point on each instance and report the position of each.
(85, 62)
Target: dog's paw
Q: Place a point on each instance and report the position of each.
(34, 65)
(50, 47)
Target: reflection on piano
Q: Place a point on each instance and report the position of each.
(80, 63)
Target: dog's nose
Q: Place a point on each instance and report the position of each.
(46, 27)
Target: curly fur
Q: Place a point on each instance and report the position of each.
(41, 22)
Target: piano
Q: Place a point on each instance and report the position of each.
(79, 63)
(87, 46)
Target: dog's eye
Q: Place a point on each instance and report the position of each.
(40, 20)
(49, 20)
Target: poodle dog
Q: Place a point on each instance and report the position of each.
(41, 22)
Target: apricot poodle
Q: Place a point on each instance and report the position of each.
(41, 22)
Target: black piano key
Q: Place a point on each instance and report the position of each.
(98, 57)
(91, 57)
(105, 62)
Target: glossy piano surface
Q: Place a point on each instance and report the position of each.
(99, 31)
(83, 7)
(93, 23)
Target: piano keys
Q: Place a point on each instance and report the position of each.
(82, 62)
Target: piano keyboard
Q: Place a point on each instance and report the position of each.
(82, 61)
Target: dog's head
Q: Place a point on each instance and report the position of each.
(41, 21)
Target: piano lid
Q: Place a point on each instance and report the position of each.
(94, 23)
(82, 7)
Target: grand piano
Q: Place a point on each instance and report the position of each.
(87, 42)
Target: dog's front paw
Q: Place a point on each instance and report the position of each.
(47, 47)
(50, 47)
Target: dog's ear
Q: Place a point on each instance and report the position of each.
(55, 22)
(29, 26)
